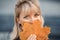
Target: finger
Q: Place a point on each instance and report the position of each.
(32, 37)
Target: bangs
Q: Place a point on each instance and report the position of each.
(27, 9)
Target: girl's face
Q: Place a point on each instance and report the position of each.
(29, 17)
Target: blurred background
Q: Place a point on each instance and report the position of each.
(50, 11)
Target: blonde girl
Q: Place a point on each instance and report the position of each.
(25, 11)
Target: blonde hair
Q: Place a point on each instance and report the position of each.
(24, 6)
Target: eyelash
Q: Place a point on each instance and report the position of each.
(26, 16)
(36, 14)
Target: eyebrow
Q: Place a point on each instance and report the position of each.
(37, 13)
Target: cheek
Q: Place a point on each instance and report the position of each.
(40, 18)
(25, 20)
(37, 18)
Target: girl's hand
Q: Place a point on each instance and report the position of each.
(32, 37)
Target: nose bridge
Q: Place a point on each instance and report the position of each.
(32, 18)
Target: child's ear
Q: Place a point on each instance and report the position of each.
(18, 20)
